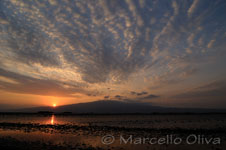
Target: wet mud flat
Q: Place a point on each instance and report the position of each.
(67, 136)
(9, 143)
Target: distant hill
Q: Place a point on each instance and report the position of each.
(110, 106)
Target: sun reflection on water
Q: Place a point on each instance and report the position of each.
(52, 119)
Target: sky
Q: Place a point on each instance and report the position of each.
(168, 53)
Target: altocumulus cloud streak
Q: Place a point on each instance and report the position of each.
(101, 47)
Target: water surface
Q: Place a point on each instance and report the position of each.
(86, 131)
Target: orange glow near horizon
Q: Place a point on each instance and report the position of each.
(40, 100)
(54, 105)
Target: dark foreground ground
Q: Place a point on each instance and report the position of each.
(9, 143)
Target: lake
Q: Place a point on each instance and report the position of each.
(35, 131)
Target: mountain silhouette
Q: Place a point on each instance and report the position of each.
(112, 107)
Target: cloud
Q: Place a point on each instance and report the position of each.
(7, 80)
(176, 75)
(29, 44)
(109, 47)
(139, 93)
(17, 83)
(209, 95)
(210, 44)
(188, 50)
(53, 39)
(149, 97)
(133, 10)
(190, 39)
(118, 96)
(140, 98)
(175, 7)
(133, 93)
(106, 97)
(193, 7)
(142, 3)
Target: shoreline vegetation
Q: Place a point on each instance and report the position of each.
(78, 114)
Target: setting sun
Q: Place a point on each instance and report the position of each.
(54, 105)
